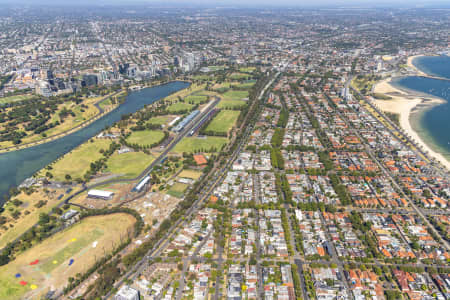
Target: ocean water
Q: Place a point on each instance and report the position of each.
(434, 65)
(433, 123)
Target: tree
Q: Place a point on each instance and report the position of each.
(44, 219)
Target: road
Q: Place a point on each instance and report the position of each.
(417, 149)
(299, 264)
(157, 161)
(165, 241)
(391, 177)
(207, 192)
(186, 263)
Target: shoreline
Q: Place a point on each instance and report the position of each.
(409, 63)
(101, 113)
(405, 103)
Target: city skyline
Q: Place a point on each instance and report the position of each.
(225, 150)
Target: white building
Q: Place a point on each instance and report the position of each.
(127, 293)
(98, 194)
(43, 88)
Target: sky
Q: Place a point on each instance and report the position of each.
(300, 3)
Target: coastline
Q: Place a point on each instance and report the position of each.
(409, 63)
(406, 103)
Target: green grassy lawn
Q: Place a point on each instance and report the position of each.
(145, 137)
(193, 174)
(71, 249)
(235, 95)
(77, 162)
(159, 120)
(177, 190)
(247, 70)
(16, 98)
(105, 103)
(246, 85)
(222, 89)
(194, 99)
(202, 77)
(231, 104)
(193, 144)
(381, 96)
(363, 84)
(26, 221)
(223, 121)
(54, 254)
(239, 76)
(130, 164)
(179, 107)
(216, 68)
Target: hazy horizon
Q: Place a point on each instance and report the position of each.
(240, 3)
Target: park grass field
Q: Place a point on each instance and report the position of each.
(179, 107)
(159, 120)
(186, 92)
(238, 76)
(16, 98)
(194, 144)
(84, 242)
(235, 95)
(105, 103)
(25, 221)
(177, 190)
(223, 121)
(231, 104)
(202, 77)
(70, 122)
(196, 98)
(128, 165)
(216, 68)
(363, 84)
(247, 69)
(77, 162)
(146, 137)
(192, 174)
(225, 84)
(246, 85)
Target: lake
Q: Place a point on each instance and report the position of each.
(18, 165)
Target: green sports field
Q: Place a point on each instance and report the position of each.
(216, 68)
(231, 104)
(246, 85)
(145, 137)
(194, 144)
(223, 121)
(239, 76)
(84, 242)
(247, 69)
(177, 190)
(77, 162)
(194, 99)
(159, 120)
(179, 107)
(129, 165)
(16, 98)
(235, 95)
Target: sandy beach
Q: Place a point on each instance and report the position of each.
(412, 66)
(403, 103)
